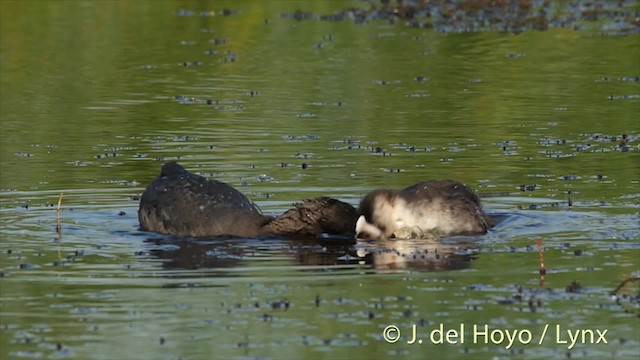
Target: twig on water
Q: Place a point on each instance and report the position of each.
(58, 225)
(543, 271)
(632, 299)
(623, 284)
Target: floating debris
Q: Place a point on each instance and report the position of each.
(529, 187)
(624, 97)
(614, 18)
(23, 154)
(190, 63)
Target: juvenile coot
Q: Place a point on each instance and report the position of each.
(441, 207)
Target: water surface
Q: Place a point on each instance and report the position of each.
(96, 96)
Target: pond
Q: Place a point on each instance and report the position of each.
(535, 105)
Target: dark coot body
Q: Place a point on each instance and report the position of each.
(442, 207)
(181, 203)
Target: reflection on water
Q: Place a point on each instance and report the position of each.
(307, 255)
(286, 105)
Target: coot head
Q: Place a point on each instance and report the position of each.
(377, 214)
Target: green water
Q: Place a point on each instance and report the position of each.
(95, 96)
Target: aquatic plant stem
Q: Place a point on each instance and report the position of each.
(543, 271)
(58, 225)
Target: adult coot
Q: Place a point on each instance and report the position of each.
(182, 203)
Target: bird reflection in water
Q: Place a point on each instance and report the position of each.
(378, 256)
